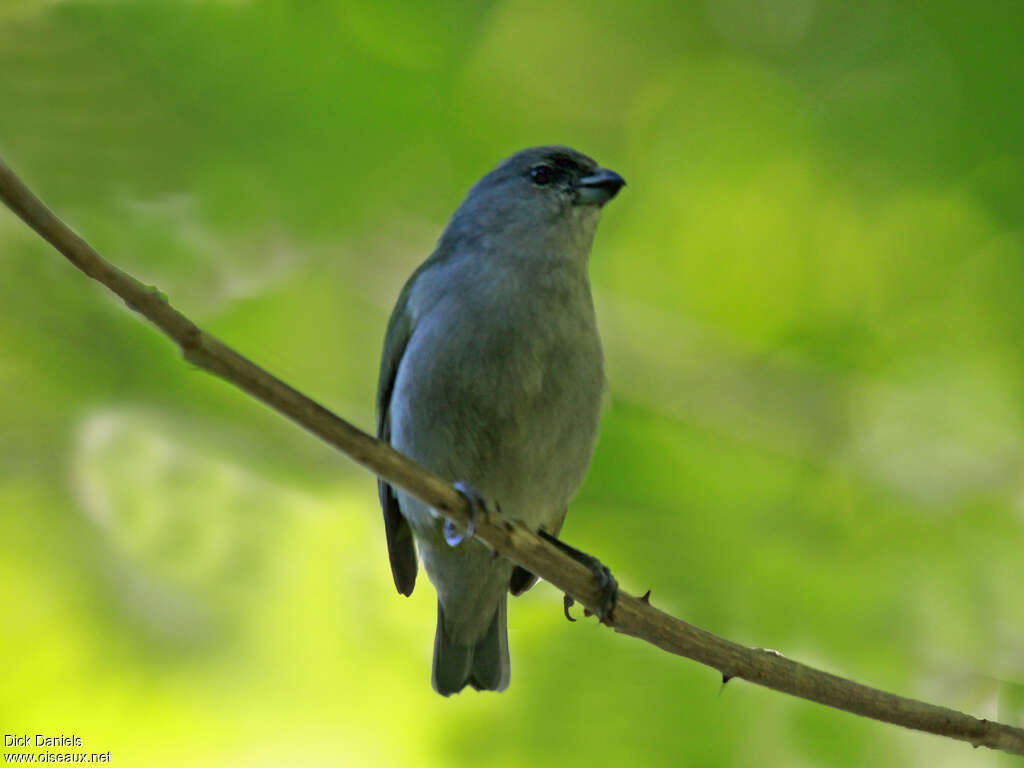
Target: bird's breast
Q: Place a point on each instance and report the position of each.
(502, 388)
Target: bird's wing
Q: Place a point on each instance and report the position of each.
(401, 548)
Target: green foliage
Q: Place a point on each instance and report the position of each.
(810, 298)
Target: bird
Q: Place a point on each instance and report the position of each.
(492, 376)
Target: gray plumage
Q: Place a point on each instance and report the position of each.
(492, 376)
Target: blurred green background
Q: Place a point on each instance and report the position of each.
(810, 295)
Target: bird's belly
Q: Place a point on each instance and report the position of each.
(513, 415)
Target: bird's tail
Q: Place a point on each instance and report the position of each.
(483, 664)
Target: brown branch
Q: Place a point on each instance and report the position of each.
(632, 616)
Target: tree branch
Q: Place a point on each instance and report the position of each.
(632, 616)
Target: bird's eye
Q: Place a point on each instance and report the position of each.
(542, 174)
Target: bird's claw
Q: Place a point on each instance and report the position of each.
(606, 583)
(609, 590)
(567, 603)
(476, 502)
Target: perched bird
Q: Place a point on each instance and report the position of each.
(492, 376)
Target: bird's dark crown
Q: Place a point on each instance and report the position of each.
(562, 158)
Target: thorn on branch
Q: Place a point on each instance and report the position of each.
(646, 599)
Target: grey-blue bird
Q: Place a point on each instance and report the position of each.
(492, 376)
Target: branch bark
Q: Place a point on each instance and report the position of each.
(632, 616)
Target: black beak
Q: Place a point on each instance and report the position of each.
(599, 187)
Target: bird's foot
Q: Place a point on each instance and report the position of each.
(452, 536)
(606, 583)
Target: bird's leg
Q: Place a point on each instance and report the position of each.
(606, 583)
(476, 503)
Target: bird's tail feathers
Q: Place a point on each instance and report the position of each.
(483, 664)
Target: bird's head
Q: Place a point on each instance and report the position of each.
(536, 195)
